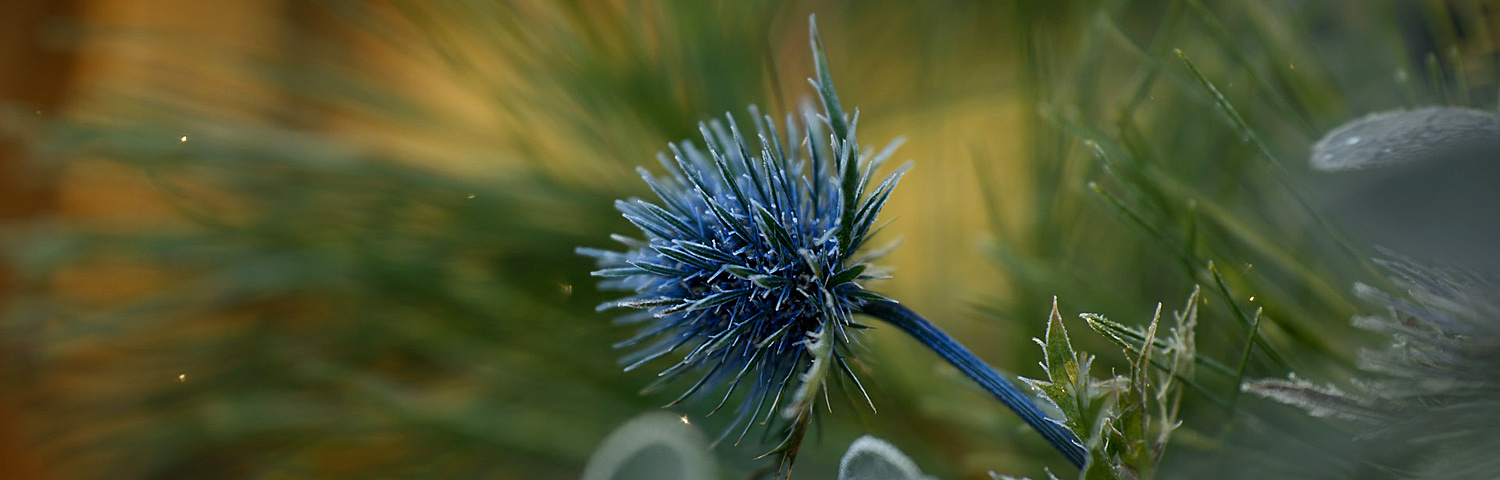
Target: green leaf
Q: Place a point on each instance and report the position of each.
(662, 270)
(867, 295)
(1058, 351)
(657, 446)
(870, 458)
(720, 298)
(769, 281)
(824, 84)
(773, 231)
(848, 275)
(741, 271)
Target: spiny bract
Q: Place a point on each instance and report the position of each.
(748, 257)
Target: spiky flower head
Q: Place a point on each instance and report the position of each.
(749, 269)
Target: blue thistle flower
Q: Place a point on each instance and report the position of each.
(751, 265)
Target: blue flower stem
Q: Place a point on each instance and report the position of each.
(991, 380)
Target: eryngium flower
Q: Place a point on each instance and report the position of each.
(749, 262)
(749, 265)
